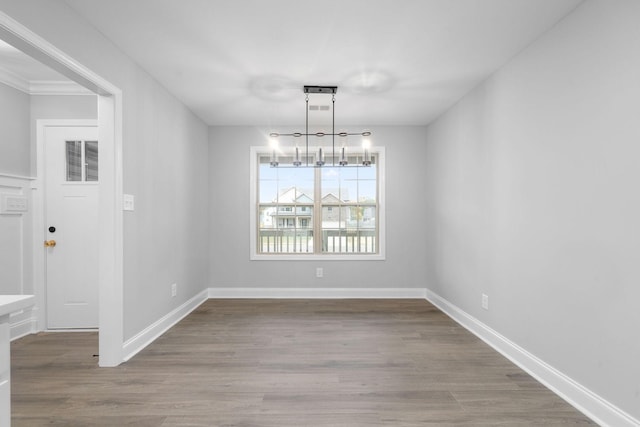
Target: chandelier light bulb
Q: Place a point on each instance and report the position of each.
(366, 146)
(320, 161)
(273, 142)
(343, 157)
(296, 160)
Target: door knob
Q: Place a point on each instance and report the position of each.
(49, 243)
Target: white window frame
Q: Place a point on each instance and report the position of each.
(253, 210)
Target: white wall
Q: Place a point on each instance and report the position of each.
(532, 184)
(16, 276)
(14, 132)
(58, 107)
(15, 232)
(229, 262)
(165, 153)
(166, 238)
(15, 229)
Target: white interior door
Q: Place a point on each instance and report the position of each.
(71, 222)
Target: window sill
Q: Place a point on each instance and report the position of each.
(314, 257)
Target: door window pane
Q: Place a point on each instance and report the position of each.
(91, 160)
(73, 159)
(81, 158)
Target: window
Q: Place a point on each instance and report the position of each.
(329, 212)
(81, 160)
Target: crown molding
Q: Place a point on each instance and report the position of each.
(13, 80)
(41, 87)
(57, 88)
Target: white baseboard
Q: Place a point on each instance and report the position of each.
(318, 293)
(137, 343)
(583, 399)
(22, 327)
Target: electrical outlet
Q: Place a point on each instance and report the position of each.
(319, 272)
(174, 289)
(485, 301)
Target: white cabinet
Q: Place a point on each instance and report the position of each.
(5, 371)
(8, 304)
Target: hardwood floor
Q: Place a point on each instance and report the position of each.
(285, 363)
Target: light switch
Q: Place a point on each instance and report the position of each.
(128, 202)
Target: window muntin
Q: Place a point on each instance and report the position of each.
(338, 205)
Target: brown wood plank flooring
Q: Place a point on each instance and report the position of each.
(285, 363)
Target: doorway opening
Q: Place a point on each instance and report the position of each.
(110, 218)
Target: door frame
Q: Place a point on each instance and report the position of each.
(110, 250)
(40, 208)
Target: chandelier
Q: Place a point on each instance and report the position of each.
(298, 154)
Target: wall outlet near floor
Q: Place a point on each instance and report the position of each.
(485, 301)
(174, 289)
(128, 202)
(319, 272)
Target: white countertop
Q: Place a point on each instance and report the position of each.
(12, 303)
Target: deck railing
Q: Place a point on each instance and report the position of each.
(334, 241)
